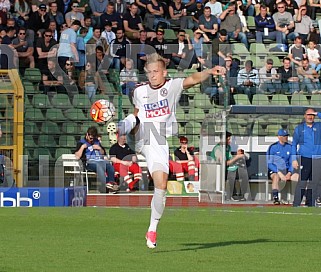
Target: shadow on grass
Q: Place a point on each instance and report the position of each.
(198, 246)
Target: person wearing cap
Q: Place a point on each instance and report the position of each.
(67, 44)
(161, 46)
(279, 163)
(197, 41)
(199, 10)
(268, 75)
(39, 19)
(185, 162)
(236, 168)
(221, 47)
(306, 147)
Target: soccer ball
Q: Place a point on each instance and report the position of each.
(102, 111)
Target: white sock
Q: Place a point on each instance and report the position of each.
(157, 207)
(125, 126)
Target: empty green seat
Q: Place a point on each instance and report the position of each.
(49, 127)
(33, 75)
(75, 115)
(299, 100)
(67, 141)
(169, 34)
(260, 99)
(55, 115)
(4, 101)
(196, 114)
(42, 152)
(46, 141)
(60, 151)
(41, 101)
(202, 101)
(31, 128)
(81, 101)
(242, 99)
(29, 141)
(29, 87)
(280, 99)
(70, 128)
(61, 101)
(193, 128)
(34, 114)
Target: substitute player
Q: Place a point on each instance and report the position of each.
(154, 118)
(279, 162)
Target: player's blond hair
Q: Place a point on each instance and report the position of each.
(153, 58)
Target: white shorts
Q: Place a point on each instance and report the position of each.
(156, 154)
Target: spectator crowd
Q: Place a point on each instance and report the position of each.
(69, 38)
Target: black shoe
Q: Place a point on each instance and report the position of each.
(235, 198)
(242, 198)
(276, 201)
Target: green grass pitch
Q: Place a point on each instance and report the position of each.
(189, 239)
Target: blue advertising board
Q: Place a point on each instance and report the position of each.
(42, 197)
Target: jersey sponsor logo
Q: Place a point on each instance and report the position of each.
(159, 108)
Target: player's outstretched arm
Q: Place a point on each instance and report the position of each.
(130, 124)
(198, 77)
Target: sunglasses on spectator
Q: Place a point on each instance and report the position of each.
(43, 9)
(281, 7)
(75, 6)
(69, 64)
(49, 36)
(22, 33)
(182, 35)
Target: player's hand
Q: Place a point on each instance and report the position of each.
(295, 164)
(218, 70)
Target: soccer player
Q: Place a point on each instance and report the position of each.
(154, 120)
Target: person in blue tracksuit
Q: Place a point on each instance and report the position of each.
(279, 163)
(307, 146)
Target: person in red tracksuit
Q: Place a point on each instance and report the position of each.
(185, 162)
(125, 162)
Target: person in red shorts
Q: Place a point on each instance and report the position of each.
(125, 162)
(185, 162)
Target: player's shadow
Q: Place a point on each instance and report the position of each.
(199, 246)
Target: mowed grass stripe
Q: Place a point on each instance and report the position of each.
(112, 239)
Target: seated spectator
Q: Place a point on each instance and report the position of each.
(292, 7)
(236, 169)
(111, 16)
(279, 163)
(55, 15)
(90, 29)
(128, 77)
(303, 24)
(161, 46)
(52, 79)
(289, 78)
(133, 23)
(189, 5)
(268, 77)
(197, 13)
(216, 8)
(297, 52)
(155, 15)
(140, 49)
(55, 32)
(98, 8)
(313, 6)
(232, 69)
(185, 162)
(125, 162)
(35, 4)
(284, 23)
(108, 34)
(24, 49)
(88, 81)
(208, 23)
(22, 12)
(121, 7)
(45, 49)
(313, 56)
(93, 155)
(221, 48)
(118, 49)
(248, 80)
(74, 14)
(95, 41)
(178, 15)
(39, 19)
(240, 10)
(198, 39)
(142, 5)
(232, 23)
(182, 51)
(309, 78)
(265, 27)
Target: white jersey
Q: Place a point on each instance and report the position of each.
(157, 107)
